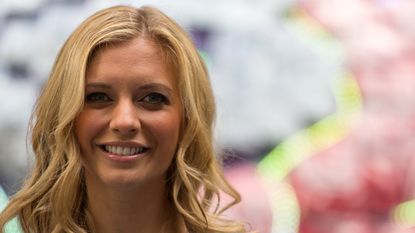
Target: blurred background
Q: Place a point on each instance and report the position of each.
(316, 102)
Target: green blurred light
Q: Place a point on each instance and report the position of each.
(205, 56)
(286, 156)
(12, 226)
(275, 166)
(404, 214)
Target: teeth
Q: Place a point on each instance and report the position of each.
(118, 150)
(124, 150)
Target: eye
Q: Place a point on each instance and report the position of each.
(97, 97)
(155, 99)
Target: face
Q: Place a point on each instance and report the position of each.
(129, 127)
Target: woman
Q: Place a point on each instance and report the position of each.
(122, 134)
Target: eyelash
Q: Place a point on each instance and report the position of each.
(100, 97)
(92, 98)
(161, 99)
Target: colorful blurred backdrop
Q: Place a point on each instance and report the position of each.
(316, 103)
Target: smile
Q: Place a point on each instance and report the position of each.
(124, 151)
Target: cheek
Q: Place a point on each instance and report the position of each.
(166, 129)
(87, 125)
(169, 127)
(81, 132)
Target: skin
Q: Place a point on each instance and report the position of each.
(132, 100)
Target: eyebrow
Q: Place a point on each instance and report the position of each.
(98, 85)
(145, 86)
(153, 86)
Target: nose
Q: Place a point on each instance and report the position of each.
(125, 119)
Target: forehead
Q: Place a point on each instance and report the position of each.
(139, 57)
(128, 51)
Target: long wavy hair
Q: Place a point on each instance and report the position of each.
(53, 198)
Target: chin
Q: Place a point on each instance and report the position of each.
(123, 179)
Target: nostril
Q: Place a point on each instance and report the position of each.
(125, 125)
(130, 129)
(124, 118)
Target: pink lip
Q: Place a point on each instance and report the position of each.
(124, 144)
(121, 158)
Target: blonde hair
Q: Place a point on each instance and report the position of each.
(53, 198)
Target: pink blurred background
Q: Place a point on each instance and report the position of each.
(357, 182)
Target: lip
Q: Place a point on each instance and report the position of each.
(124, 144)
(121, 158)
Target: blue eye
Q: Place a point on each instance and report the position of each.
(97, 97)
(155, 98)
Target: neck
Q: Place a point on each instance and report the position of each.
(144, 209)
